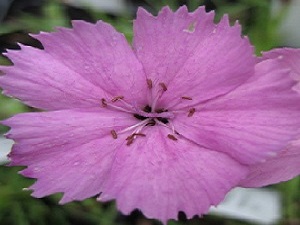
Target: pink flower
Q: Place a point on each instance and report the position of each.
(170, 125)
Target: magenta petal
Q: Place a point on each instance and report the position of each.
(282, 167)
(78, 67)
(288, 58)
(191, 54)
(68, 151)
(252, 122)
(161, 176)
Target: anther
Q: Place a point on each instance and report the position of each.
(164, 87)
(172, 137)
(104, 103)
(149, 83)
(191, 112)
(139, 134)
(186, 98)
(129, 137)
(117, 98)
(132, 136)
(129, 141)
(114, 134)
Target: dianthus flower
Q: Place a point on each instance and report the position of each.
(171, 124)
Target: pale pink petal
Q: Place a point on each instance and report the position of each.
(191, 54)
(78, 67)
(288, 57)
(68, 151)
(285, 165)
(282, 167)
(252, 122)
(161, 176)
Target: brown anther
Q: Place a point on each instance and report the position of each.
(130, 141)
(161, 110)
(135, 134)
(130, 137)
(186, 98)
(103, 101)
(163, 86)
(149, 83)
(172, 137)
(191, 112)
(117, 98)
(114, 134)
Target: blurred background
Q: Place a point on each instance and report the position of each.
(268, 23)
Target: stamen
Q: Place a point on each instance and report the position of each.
(172, 137)
(104, 103)
(164, 87)
(186, 98)
(147, 109)
(149, 83)
(161, 110)
(114, 134)
(130, 141)
(140, 134)
(163, 120)
(132, 136)
(130, 109)
(151, 122)
(191, 112)
(117, 98)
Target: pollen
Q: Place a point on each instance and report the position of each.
(104, 103)
(149, 83)
(186, 98)
(139, 134)
(130, 140)
(172, 137)
(114, 134)
(163, 86)
(117, 98)
(191, 112)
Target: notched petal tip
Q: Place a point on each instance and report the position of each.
(6, 122)
(224, 21)
(165, 11)
(182, 9)
(143, 13)
(79, 23)
(65, 199)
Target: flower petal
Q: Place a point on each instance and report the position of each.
(190, 54)
(282, 167)
(285, 165)
(68, 151)
(78, 67)
(161, 176)
(288, 57)
(255, 120)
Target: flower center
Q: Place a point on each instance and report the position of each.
(149, 115)
(152, 116)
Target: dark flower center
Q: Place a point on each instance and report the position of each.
(152, 122)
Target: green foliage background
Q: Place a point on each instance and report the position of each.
(18, 208)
